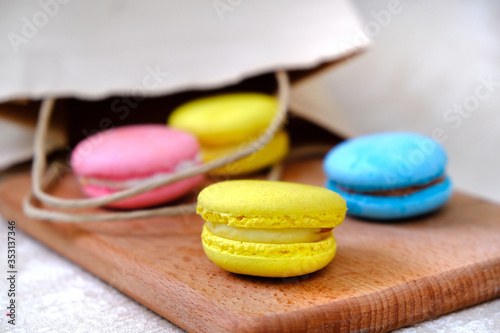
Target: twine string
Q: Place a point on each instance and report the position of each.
(39, 183)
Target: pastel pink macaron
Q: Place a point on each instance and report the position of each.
(124, 157)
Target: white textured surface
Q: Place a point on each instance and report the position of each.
(55, 295)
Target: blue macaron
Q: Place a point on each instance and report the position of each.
(389, 175)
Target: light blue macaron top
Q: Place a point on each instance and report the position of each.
(385, 161)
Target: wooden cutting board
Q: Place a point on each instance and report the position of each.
(384, 276)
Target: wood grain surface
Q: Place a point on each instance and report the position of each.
(384, 276)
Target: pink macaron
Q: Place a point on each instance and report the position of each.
(128, 156)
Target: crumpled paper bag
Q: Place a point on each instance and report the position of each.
(93, 49)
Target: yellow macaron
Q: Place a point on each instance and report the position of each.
(225, 123)
(269, 228)
(274, 151)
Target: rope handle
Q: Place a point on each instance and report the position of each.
(39, 166)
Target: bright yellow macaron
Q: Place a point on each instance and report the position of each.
(274, 151)
(225, 123)
(269, 228)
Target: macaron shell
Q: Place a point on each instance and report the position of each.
(148, 199)
(270, 204)
(136, 151)
(393, 207)
(270, 154)
(385, 161)
(268, 260)
(225, 119)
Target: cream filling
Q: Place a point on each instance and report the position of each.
(134, 182)
(268, 235)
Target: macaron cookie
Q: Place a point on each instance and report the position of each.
(389, 176)
(269, 228)
(125, 157)
(226, 123)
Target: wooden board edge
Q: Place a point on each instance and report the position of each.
(82, 255)
(427, 298)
